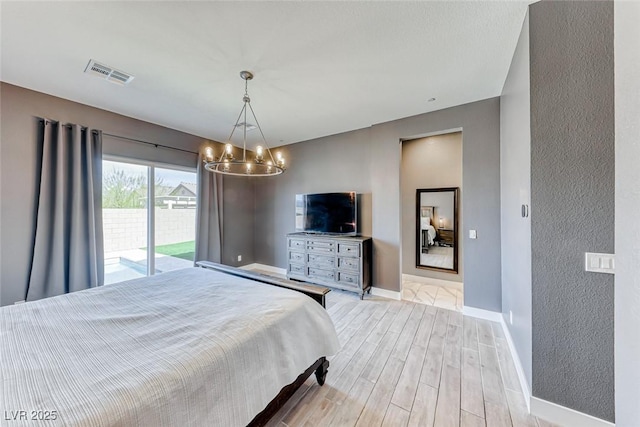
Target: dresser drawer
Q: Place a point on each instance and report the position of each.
(322, 261)
(296, 244)
(296, 268)
(320, 242)
(349, 264)
(319, 273)
(349, 279)
(296, 257)
(348, 249)
(321, 247)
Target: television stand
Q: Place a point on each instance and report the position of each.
(337, 261)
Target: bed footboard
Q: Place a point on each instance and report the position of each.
(317, 293)
(320, 367)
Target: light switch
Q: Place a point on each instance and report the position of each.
(599, 263)
(473, 234)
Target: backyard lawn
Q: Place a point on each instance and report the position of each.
(184, 250)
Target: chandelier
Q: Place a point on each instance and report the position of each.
(263, 163)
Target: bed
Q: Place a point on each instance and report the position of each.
(190, 347)
(428, 233)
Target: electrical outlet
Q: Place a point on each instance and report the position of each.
(473, 234)
(239, 258)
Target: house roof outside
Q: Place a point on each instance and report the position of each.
(184, 189)
(183, 196)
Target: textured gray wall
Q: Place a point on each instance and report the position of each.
(432, 162)
(572, 200)
(627, 279)
(368, 161)
(515, 177)
(19, 108)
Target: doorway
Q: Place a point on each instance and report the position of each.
(431, 220)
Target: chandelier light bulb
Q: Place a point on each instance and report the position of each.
(228, 150)
(208, 154)
(259, 154)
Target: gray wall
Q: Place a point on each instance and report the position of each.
(572, 200)
(515, 188)
(627, 279)
(238, 220)
(431, 162)
(331, 164)
(18, 161)
(480, 124)
(368, 161)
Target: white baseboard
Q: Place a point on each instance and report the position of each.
(479, 313)
(385, 293)
(494, 316)
(564, 416)
(524, 385)
(264, 267)
(434, 282)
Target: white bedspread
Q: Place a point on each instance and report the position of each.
(190, 347)
(431, 233)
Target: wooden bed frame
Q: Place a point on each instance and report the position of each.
(320, 366)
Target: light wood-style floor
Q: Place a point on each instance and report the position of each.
(408, 364)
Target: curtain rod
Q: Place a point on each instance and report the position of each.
(139, 141)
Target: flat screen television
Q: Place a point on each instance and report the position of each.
(330, 213)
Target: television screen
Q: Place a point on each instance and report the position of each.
(333, 213)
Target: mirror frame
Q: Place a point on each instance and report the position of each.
(419, 192)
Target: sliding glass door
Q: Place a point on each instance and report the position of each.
(175, 219)
(148, 229)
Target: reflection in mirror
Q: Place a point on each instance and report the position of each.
(437, 229)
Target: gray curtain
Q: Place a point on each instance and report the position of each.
(68, 252)
(208, 215)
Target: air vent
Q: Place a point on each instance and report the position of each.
(108, 73)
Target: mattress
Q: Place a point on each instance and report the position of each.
(191, 347)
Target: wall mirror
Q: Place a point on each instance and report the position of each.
(437, 229)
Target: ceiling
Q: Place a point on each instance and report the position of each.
(321, 68)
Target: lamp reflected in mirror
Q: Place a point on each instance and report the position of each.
(437, 229)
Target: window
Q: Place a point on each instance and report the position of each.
(148, 229)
